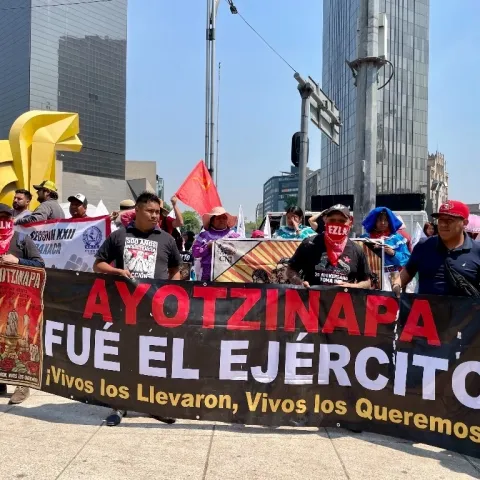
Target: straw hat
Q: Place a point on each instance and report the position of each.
(217, 212)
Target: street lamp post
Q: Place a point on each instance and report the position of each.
(212, 9)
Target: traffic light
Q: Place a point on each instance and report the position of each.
(297, 148)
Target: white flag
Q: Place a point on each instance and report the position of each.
(417, 234)
(241, 223)
(266, 228)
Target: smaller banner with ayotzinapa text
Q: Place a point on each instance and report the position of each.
(268, 355)
(21, 321)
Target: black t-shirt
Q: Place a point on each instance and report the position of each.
(187, 257)
(311, 262)
(144, 255)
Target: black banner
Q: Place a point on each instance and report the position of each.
(268, 355)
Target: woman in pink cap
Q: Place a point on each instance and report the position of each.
(218, 224)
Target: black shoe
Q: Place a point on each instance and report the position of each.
(3, 389)
(167, 420)
(115, 418)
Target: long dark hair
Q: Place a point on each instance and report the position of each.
(177, 236)
(296, 210)
(425, 228)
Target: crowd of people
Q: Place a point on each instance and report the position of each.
(147, 243)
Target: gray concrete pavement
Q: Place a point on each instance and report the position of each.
(49, 438)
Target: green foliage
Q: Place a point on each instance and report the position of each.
(290, 202)
(191, 222)
(250, 227)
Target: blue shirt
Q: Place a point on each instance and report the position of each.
(428, 260)
(290, 234)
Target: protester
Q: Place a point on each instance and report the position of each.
(16, 249)
(49, 207)
(218, 224)
(78, 205)
(404, 233)
(447, 264)
(169, 223)
(165, 222)
(116, 216)
(316, 222)
(382, 226)
(188, 239)
(331, 258)
(127, 204)
(21, 202)
(141, 250)
(294, 230)
(187, 271)
(258, 234)
(429, 229)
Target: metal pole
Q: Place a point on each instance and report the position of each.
(365, 184)
(207, 84)
(218, 123)
(305, 91)
(212, 90)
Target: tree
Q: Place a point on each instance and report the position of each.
(250, 227)
(191, 222)
(290, 202)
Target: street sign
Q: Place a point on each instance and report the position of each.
(323, 112)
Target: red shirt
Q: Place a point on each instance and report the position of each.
(168, 227)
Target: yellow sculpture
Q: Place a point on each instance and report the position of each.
(28, 156)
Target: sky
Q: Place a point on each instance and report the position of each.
(259, 101)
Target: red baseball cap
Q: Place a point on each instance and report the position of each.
(454, 208)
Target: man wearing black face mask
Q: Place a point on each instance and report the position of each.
(330, 258)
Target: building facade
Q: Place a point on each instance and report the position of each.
(259, 212)
(313, 188)
(402, 105)
(474, 208)
(279, 190)
(437, 181)
(70, 56)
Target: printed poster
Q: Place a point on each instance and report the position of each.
(265, 261)
(252, 260)
(68, 244)
(21, 322)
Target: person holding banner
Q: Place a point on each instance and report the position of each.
(447, 264)
(218, 224)
(21, 202)
(331, 258)
(16, 249)
(141, 250)
(78, 205)
(49, 207)
(382, 227)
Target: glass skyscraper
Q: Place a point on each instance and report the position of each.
(402, 105)
(68, 55)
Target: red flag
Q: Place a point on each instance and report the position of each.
(198, 190)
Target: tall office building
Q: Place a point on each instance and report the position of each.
(70, 56)
(402, 105)
(278, 190)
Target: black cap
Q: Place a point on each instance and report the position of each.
(345, 211)
(6, 209)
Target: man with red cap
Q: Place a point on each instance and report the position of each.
(447, 264)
